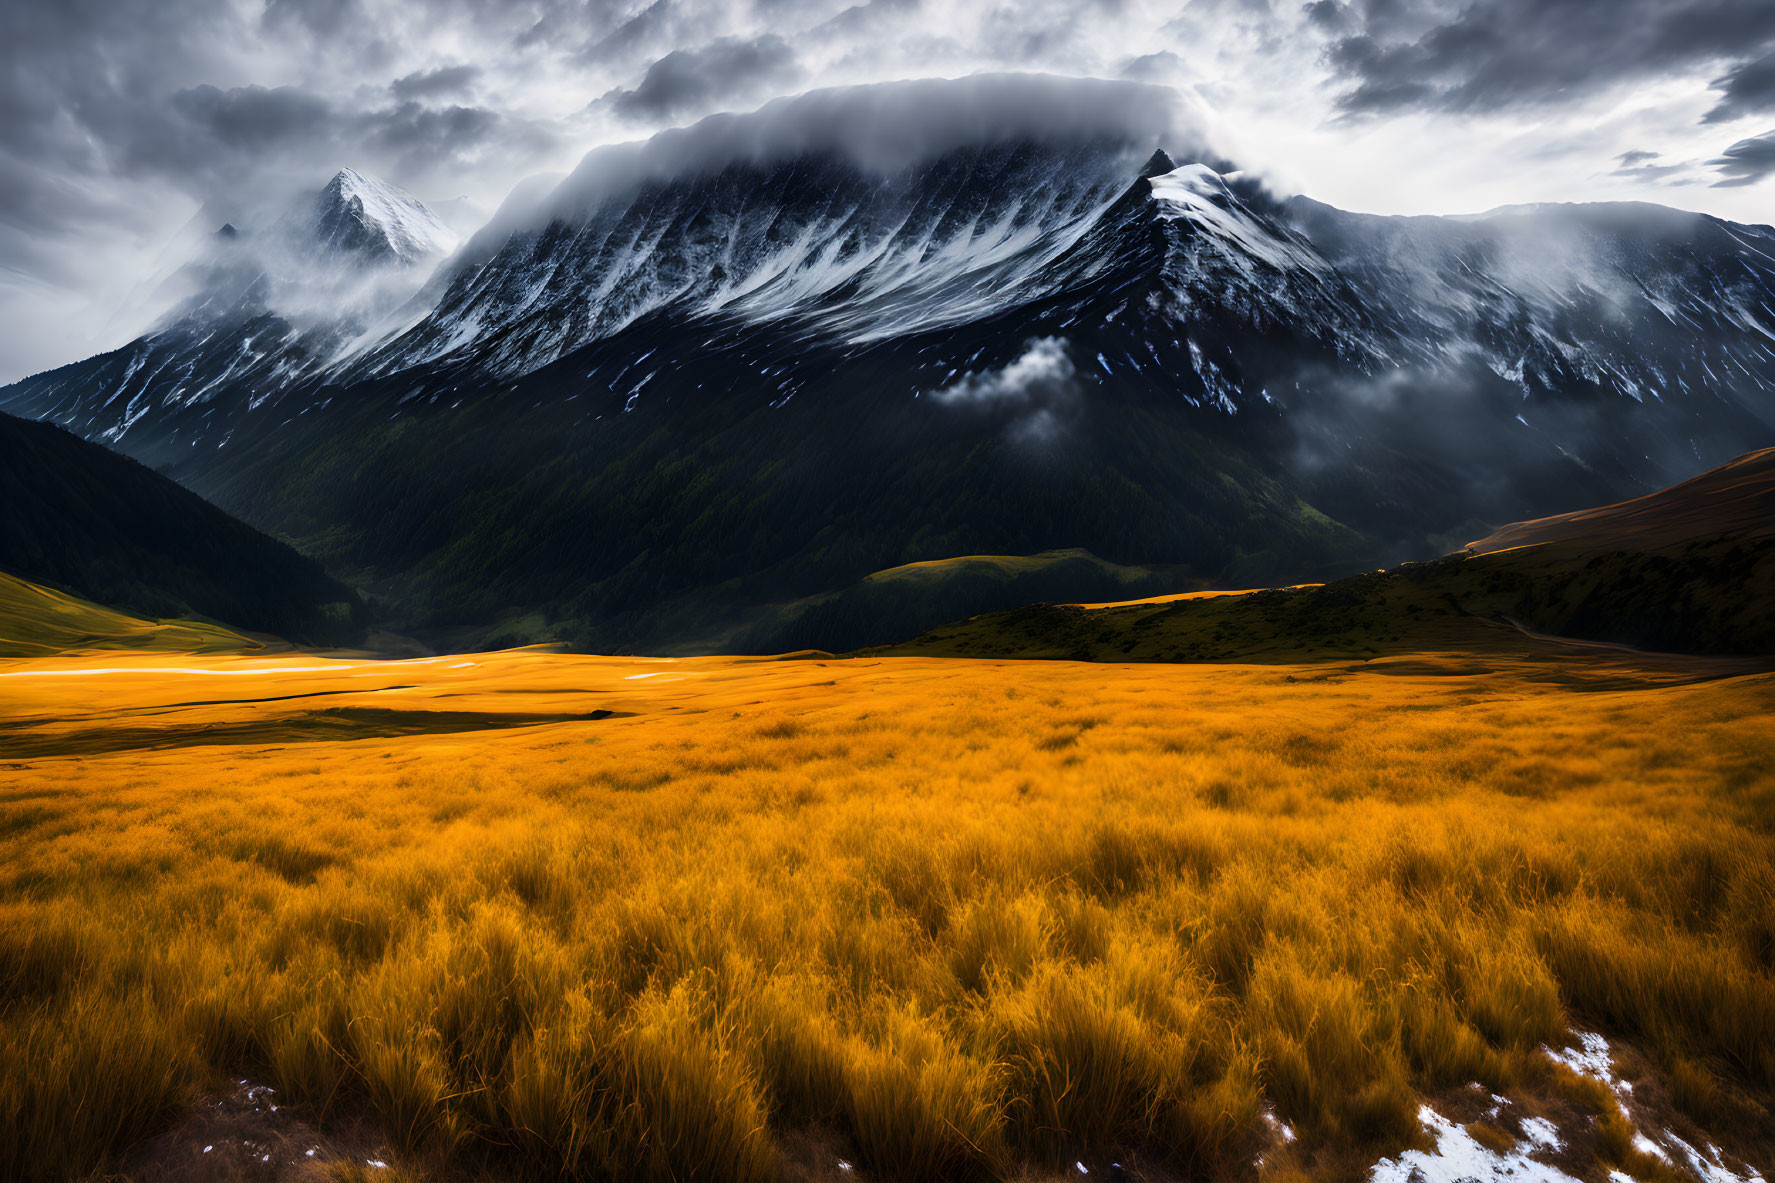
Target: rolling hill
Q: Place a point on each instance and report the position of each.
(1735, 499)
(87, 521)
(36, 621)
(905, 600)
(1690, 569)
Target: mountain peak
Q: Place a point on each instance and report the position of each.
(1157, 165)
(359, 215)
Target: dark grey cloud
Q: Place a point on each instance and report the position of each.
(1746, 162)
(444, 82)
(252, 118)
(347, 30)
(1747, 90)
(1638, 164)
(867, 19)
(692, 81)
(1329, 15)
(76, 114)
(35, 216)
(416, 134)
(213, 141)
(1488, 55)
(891, 125)
(653, 25)
(1163, 66)
(326, 18)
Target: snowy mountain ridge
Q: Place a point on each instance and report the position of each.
(936, 231)
(818, 240)
(272, 304)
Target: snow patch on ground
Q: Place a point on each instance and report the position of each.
(1645, 1145)
(1277, 1126)
(1707, 1166)
(1459, 1158)
(1592, 1058)
(1542, 1134)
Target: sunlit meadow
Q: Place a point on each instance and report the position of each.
(723, 919)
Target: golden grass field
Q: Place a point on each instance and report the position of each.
(531, 915)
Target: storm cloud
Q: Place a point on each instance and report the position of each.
(1640, 164)
(1746, 162)
(1747, 90)
(443, 82)
(1496, 54)
(1033, 395)
(694, 81)
(886, 127)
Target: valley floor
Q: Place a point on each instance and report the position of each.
(523, 914)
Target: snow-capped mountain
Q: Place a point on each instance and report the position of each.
(1174, 272)
(819, 239)
(846, 254)
(956, 317)
(271, 305)
(366, 219)
(1631, 302)
(1638, 301)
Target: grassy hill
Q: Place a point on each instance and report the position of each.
(1688, 569)
(1736, 499)
(35, 621)
(905, 600)
(102, 526)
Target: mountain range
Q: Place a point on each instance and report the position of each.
(753, 361)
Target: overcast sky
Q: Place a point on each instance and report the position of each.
(121, 119)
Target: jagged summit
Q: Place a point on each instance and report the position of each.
(269, 299)
(1199, 196)
(1157, 164)
(360, 215)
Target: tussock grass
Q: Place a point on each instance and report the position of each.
(886, 900)
(85, 1073)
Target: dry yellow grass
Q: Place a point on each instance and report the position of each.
(972, 917)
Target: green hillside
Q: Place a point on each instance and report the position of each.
(36, 621)
(904, 601)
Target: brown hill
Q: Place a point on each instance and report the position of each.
(1736, 499)
(1689, 569)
